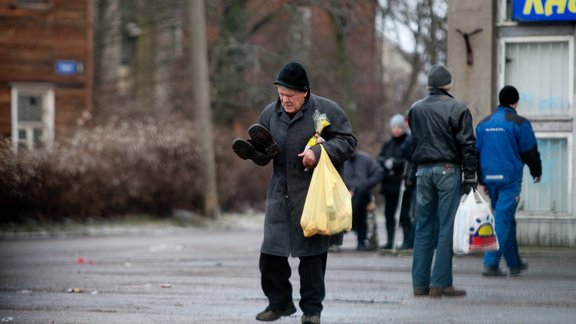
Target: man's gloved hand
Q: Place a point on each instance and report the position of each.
(389, 163)
(470, 182)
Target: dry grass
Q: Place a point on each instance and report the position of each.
(120, 167)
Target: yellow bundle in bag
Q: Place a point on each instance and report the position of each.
(328, 206)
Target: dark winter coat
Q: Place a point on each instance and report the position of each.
(287, 189)
(361, 172)
(393, 148)
(442, 132)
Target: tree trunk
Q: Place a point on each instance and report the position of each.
(344, 64)
(198, 71)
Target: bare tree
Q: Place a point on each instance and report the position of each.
(424, 21)
(339, 16)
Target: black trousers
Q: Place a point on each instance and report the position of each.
(390, 205)
(360, 201)
(275, 280)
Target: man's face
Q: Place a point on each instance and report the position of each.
(292, 100)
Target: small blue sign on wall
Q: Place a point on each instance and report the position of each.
(68, 67)
(544, 10)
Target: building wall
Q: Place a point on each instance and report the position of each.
(478, 86)
(32, 39)
(473, 83)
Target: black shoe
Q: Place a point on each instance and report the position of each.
(387, 246)
(406, 246)
(516, 271)
(335, 248)
(363, 247)
(493, 272)
(269, 314)
(262, 140)
(311, 318)
(245, 150)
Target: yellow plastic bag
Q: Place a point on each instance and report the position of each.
(328, 206)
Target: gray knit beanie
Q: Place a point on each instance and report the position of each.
(397, 121)
(439, 77)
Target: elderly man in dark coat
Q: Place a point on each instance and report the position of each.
(291, 124)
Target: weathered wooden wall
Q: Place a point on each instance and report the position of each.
(32, 39)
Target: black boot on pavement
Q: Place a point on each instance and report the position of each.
(311, 318)
(269, 314)
(493, 272)
(516, 271)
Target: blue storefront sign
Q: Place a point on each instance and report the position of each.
(544, 10)
(68, 67)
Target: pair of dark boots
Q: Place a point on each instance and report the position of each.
(260, 147)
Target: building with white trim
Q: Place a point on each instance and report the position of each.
(528, 44)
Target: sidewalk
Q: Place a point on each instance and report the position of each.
(210, 275)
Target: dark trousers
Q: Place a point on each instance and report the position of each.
(275, 280)
(360, 201)
(390, 205)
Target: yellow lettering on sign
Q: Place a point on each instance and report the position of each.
(572, 6)
(559, 4)
(536, 4)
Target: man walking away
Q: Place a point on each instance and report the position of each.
(505, 143)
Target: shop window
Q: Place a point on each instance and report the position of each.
(542, 71)
(32, 117)
(552, 194)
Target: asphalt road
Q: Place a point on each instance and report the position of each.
(210, 275)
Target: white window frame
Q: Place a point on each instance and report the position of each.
(47, 123)
(542, 39)
(503, 18)
(564, 214)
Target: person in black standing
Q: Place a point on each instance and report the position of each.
(361, 174)
(393, 160)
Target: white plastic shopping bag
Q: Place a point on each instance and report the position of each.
(474, 226)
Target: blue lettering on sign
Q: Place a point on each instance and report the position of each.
(544, 10)
(68, 67)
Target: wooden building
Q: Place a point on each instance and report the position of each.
(45, 68)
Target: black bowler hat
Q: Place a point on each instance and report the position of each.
(508, 96)
(293, 76)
